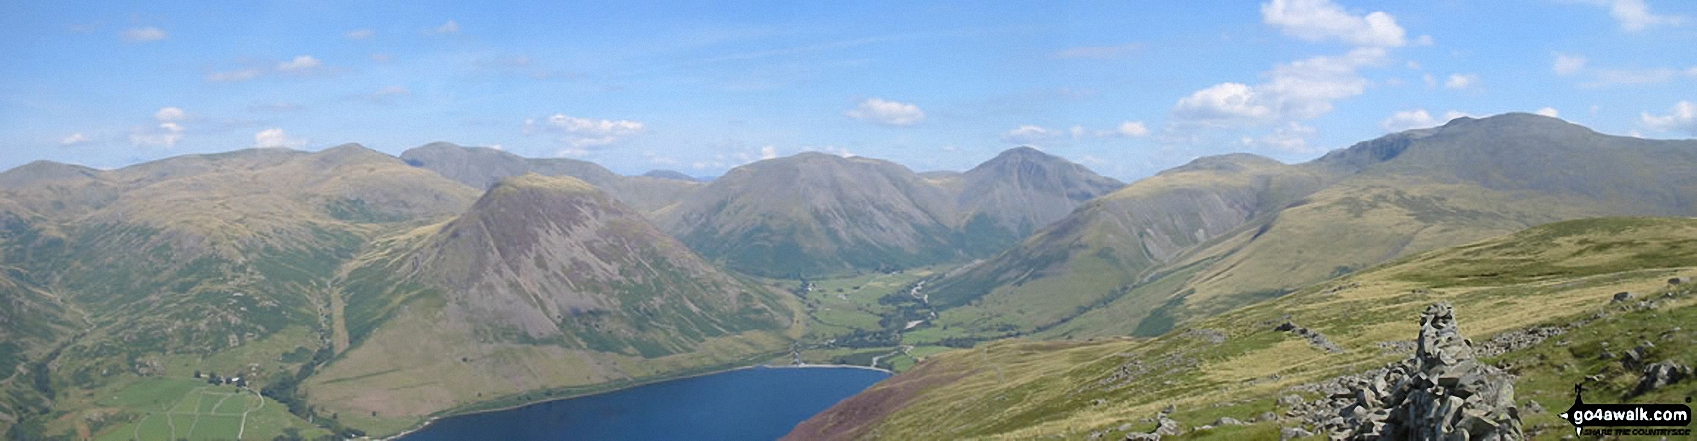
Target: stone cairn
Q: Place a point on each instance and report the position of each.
(1441, 393)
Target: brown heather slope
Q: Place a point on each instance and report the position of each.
(546, 283)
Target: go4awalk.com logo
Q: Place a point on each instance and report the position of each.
(1627, 419)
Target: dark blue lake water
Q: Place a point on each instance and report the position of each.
(744, 404)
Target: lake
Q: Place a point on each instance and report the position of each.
(758, 403)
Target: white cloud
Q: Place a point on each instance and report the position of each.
(382, 58)
(1419, 119)
(1461, 81)
(1078, 132)
(166, 134)
(359, 34)
(839, 151)
(1221, 102)
(275, 137)
(143, 34)
(1568, 64)
(584, 132)
(1408, 119)
(168, 114)
(1549, 111)
(1097, 52)
(1635, 15)
(1030, 135)
(1683, 117)
(74, 138)
(451, 27)
(886, 112)
(1320, 20)
(1300, 89)
(301, 63)
(1290, 138)
(233, 75)
(768, 152)
(1132, 129)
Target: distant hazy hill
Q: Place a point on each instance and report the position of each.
(1010, 196)
(816, 214)
(1509, 293)
(545, 282)
(1226, 231)
(669, 174)
(482, 167)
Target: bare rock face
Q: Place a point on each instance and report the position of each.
(1441, 393)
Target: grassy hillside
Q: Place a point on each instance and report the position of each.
(201, 262)
(545, 286)
(1229, 231)
(1235, 364)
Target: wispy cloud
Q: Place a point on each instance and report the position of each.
(166, 133)
(359, 34)
(1682, 117)
(143, 34)
(73, 139)
(451, 27)
(1097, 52)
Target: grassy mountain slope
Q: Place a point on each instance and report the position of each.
(813, 214)
(544, 284)
(204, 262)
(483, 167)
(1235, 364)
(1095, 255)
(1375, 201)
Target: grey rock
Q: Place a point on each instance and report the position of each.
(1228, 421)
(1623, 296)
(1659, 375)
(1267, 416)
(1289, 433)
(1167, 426)
(1142, 437)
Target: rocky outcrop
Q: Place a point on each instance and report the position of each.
(1314, 337)
(1442, 392)
(1658, 375)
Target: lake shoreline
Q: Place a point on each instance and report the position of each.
(433, 419)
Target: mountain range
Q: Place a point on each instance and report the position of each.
(1227, 231)
(367, 293)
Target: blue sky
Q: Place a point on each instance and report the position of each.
(1126, 87)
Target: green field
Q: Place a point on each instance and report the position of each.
(187, 408)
